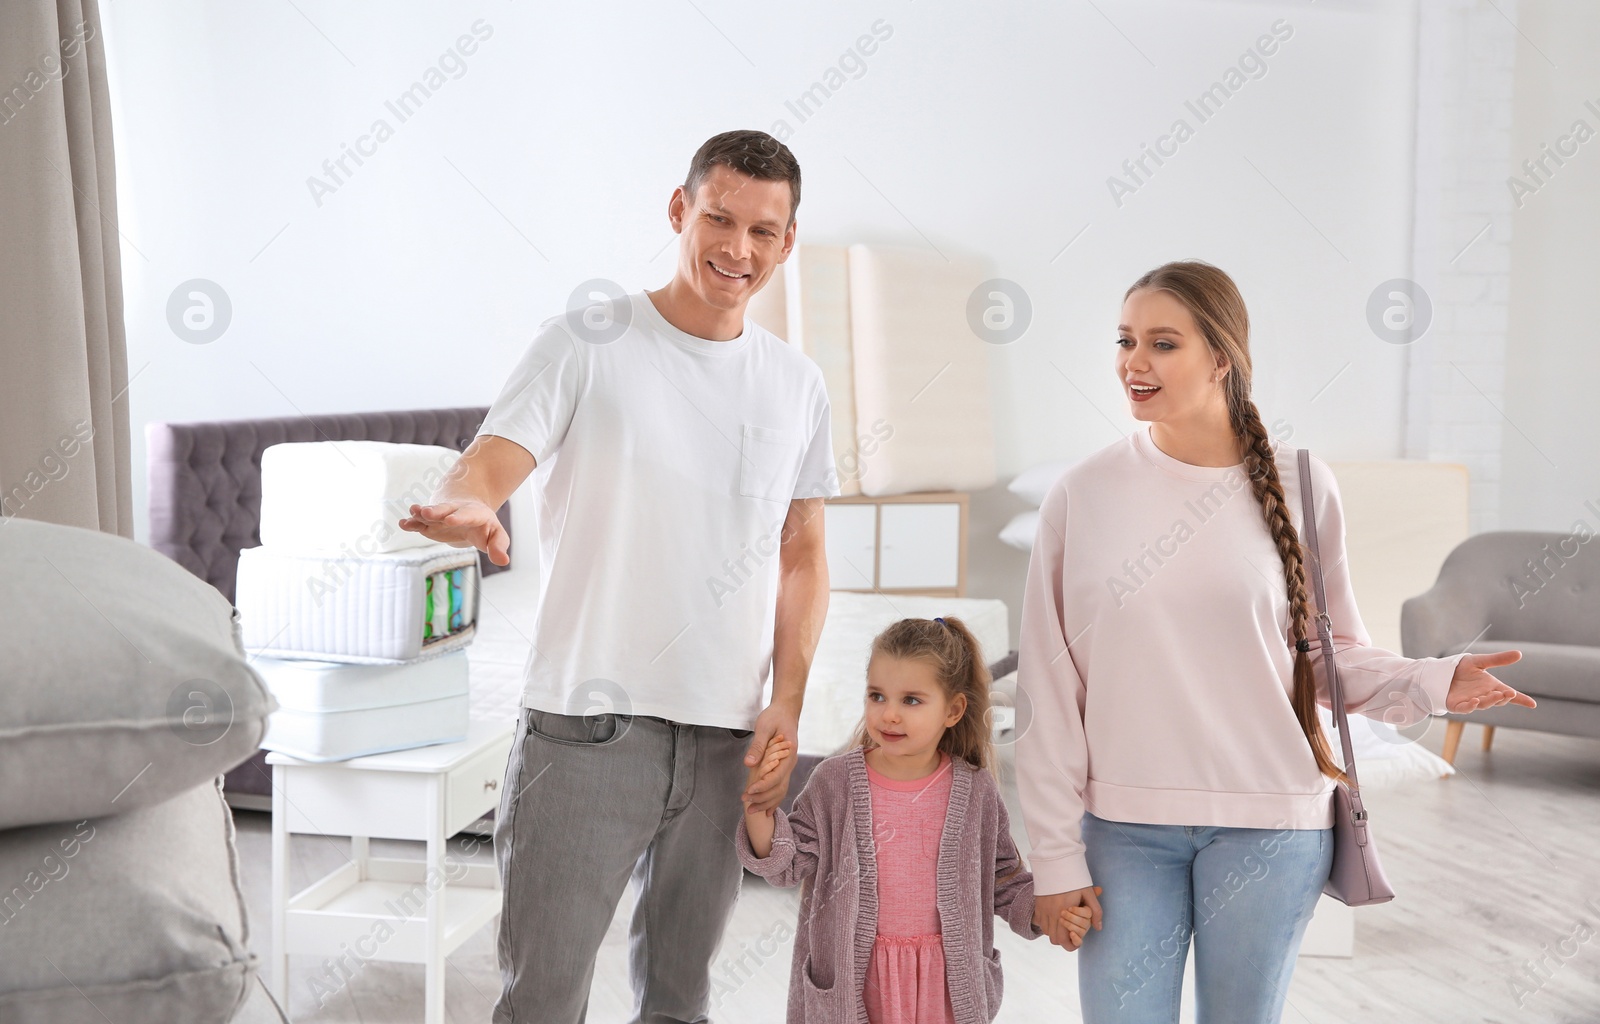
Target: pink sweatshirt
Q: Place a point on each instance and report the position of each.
(1155, 658)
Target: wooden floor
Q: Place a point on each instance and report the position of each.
(1496, 867)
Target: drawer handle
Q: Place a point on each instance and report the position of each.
(489, 784)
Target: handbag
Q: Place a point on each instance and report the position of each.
(1356, 878)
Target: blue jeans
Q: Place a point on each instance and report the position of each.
(1244, 894)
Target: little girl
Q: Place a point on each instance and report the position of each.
(903, 846)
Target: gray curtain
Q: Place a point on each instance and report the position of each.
(64, 435)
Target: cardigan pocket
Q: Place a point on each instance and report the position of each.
(810, 983)
(993, 981)
(820, 1004)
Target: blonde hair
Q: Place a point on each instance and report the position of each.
(1218, 309)
(957, 660)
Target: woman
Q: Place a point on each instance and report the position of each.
(1175, 757)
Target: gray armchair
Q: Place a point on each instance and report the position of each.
(1538, 593)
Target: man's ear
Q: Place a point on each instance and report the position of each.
(788, 242)
(676, 207)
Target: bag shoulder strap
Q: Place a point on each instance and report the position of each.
(1308, 522)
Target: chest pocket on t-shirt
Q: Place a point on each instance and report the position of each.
(768, 461)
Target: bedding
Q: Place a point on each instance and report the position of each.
(384, 608)
(1033, 483)
(1019, 532)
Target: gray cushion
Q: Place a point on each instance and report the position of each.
(134, 917)
(1564, 671)
(124, 680)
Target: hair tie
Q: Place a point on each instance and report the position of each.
(1302, 645)
(940, 620)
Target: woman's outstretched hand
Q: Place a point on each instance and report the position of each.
(1474, 689)
(1050, 918)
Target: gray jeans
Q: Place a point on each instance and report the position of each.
(588, 803)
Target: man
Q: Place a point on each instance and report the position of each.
(681, 456)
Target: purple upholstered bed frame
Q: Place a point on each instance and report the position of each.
(205, 501)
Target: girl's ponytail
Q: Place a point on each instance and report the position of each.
(957, 658)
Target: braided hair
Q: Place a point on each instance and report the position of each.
(1218, 309)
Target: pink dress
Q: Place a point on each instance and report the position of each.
(905, 977)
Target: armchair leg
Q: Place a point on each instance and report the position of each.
(1488, 736)
(1452, 740)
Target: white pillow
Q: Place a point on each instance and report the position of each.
(1033, 483)
(1019, 532)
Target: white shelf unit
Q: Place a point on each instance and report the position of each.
(899, 544)
(378, 908)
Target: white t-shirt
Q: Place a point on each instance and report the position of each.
(666, 464)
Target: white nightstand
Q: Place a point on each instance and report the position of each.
(413, 911)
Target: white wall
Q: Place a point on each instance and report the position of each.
(1552, 417)
(550, 161)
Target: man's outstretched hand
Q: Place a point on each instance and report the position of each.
(462, 524)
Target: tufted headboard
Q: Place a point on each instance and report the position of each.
(205, 478)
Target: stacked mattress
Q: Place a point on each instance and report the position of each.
(331, 711)
(358, 627)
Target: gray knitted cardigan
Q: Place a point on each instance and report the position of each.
(826, 844)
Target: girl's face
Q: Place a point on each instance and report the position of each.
(1159, 344)
(907, 709)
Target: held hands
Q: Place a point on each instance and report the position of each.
(1473, 689)
(779, 749)
(758, 820)
(1065, 917)
(462, 524)
(766, 789)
